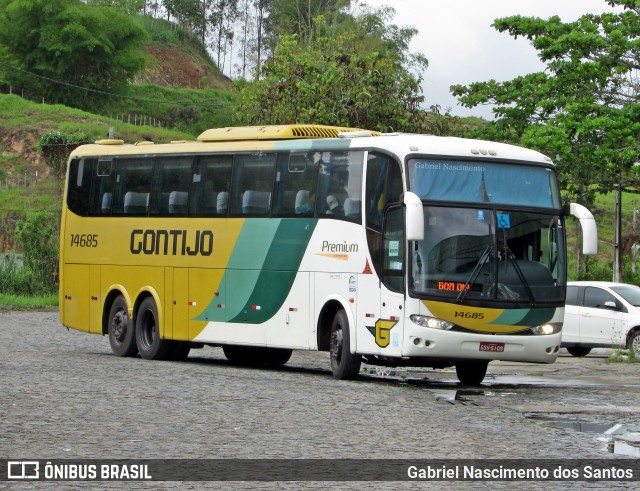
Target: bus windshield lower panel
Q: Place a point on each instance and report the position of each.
(492, 255)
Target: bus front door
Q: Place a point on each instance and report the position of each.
(393, 281)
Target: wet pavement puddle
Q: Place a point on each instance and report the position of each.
(619, 439)
(467, 394)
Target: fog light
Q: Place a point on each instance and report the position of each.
(416, 341)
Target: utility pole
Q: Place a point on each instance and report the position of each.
(617, 259)
(634, 248)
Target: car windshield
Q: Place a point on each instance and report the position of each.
(630, 293)
(492, 255)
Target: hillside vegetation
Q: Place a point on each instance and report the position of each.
(27, 183)
(180, 94)
(180, 88)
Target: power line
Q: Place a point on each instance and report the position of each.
(112, 94)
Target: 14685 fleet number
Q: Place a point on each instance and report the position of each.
(84, 240)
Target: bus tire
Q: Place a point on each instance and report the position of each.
(344, 364)
(276, 357)
(150, 346)
(238, 355)
(179, 350)
(471, 372)
(121, 330)
(578, 350)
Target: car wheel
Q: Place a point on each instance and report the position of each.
(634, 344)
(578, 350)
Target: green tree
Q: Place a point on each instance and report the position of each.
(339, 78)
(185, 12)
(584, 109)
(131, 7)
(287, 17)
(66, 51)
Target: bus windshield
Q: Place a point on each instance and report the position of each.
(484, 182)
(492, 255)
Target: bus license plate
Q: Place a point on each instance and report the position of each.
(495, 347)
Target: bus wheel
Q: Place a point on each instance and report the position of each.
(179, 350)
(578, 350)
(344, 364)
(150, 346)
(238, 355)
(471, 372)
(275, 357)
(121, 331)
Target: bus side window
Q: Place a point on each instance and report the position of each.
(133, 186)
(211, 181)
(295, 185)
(384, 187)
(340, 184)
(393, 250)
(172, 180)
(79, 189)
(252, 184)
(102, 189)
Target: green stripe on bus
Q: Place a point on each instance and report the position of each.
(261, 270)
(525, 317)
(279, 270)
(511, 317)
(539, 316)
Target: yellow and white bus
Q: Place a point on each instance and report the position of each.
(388, 249)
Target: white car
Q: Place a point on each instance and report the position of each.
(601, 314)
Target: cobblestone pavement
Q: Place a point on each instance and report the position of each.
(63, 395)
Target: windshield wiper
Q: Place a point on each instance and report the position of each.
(484, 258)
(520, 274)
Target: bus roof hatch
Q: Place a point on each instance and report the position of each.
(275, 132)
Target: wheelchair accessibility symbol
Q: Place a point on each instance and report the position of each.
(504, 220)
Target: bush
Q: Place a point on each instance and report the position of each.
(596, 271)
(56, 146)
(18, 280)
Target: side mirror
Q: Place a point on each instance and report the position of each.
(589, 229)
(611, 305)
(415, 216)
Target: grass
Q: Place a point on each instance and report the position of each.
(19, 302)
(32, 119)
(623, 356)
(45, 195)
(188, 110)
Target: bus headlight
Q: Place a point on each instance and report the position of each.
(431, 322)
(549, 328)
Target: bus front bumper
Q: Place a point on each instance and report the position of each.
(421, 342)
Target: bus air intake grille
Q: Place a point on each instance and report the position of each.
(315, 132)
